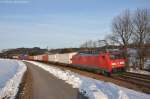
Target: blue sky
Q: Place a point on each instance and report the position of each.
(59, 23)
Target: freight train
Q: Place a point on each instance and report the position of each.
(105, 62)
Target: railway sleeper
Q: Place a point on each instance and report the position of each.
(137, 78)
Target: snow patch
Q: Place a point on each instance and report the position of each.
(93, 89)
(11, 85)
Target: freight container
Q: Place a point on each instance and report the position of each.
(30, 57)
(39, 58)
(65, 58)
(35, 57)
(45, 57)
(23, 57)
(15, 57)
(52, 57)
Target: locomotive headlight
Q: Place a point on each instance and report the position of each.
(113, 63)
(121, 62)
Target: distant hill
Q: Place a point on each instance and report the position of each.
(22, 51)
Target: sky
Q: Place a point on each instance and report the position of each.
(59, 23)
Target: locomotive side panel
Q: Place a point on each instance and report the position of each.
(104, 62)
(93, 61)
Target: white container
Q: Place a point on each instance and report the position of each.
(35, 58)
(52, 58)
(39, 57)
(15, 57)
(65, 58)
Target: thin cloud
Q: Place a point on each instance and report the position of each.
(15, 1)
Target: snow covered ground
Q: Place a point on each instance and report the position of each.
(134, 58)
(94, 89)
(11, 73)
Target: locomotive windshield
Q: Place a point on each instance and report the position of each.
(116, 56)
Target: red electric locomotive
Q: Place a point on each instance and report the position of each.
(106, 62)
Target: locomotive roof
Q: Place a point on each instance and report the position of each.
(96, 52)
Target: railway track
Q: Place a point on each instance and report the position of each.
(138, 79)
(138, 75)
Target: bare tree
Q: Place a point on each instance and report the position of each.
(101, 43)
(84, 45)
(112, 40)
(122, 29)
(141, 21)
(88, 44)
(132, 29)
(94, 44)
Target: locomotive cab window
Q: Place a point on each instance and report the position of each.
(116, 56)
